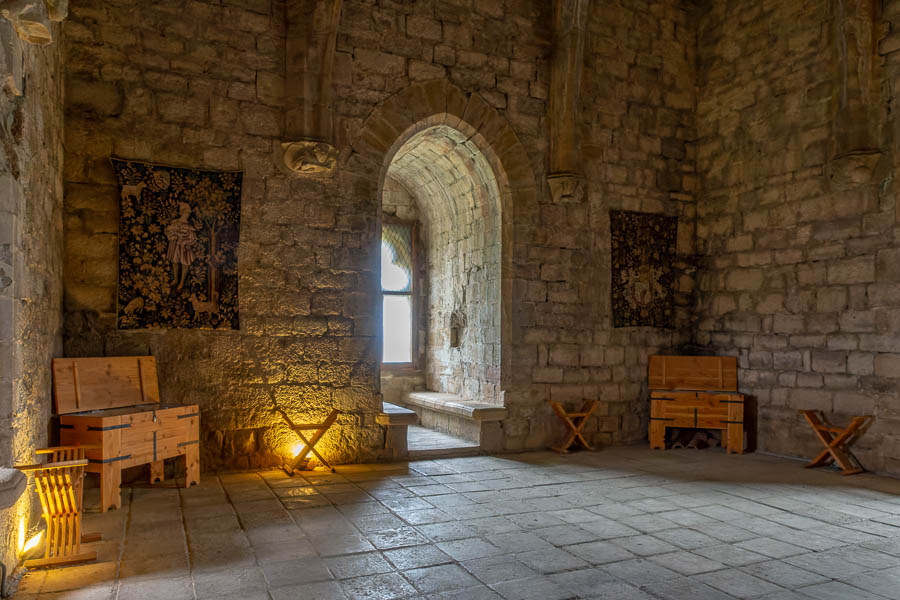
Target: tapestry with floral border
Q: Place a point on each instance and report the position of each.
(643, 278)
(178, 247)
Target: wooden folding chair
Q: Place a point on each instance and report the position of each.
(837, 441)
(60, 487)
(309, 444)
(575, 422)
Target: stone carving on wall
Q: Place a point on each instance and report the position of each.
(31, 18)
(854, 169)
(566, 187)
(310, 41)
(310, 157)
(643, 279)
(178, 243)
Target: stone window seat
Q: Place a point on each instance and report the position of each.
(471, 420)
(391, 414)
(453, 404)
(396, 421)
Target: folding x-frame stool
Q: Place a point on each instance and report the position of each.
(837, 441)
(309, 444)
(575, 422)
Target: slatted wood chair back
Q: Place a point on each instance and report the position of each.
(60, 487)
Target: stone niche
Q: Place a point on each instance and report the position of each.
(455, 195)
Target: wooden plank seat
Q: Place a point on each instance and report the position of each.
(695, 392)
(837, 441)
(60, 487)
(113, 404)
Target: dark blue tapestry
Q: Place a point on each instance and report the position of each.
(643, 278)
(178, 243)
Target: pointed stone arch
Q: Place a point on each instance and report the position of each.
(436, 103)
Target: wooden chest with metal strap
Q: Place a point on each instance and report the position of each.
(698, 392)
(113, 402)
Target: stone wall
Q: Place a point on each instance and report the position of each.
(637, 123)
(199, 84)
(31, 198)
(797, 215)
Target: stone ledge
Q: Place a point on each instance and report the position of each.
(455, 405)
(391, 414)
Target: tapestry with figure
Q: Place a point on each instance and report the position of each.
(178, 247)
(643, 278)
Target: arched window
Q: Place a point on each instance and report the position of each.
(397, 279)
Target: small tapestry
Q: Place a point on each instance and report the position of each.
(178, 243)
(643, 280)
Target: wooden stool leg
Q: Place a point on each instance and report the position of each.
(157, 471)
(563, 446)
(586, 410)
(192, 465)
(110, 480)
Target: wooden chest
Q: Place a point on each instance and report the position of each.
(114, 403)
(696, 391)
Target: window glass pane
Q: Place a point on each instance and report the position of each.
(396, 257)
(397, 321)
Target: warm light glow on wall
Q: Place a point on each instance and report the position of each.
(33, 542)
(27, 546)
(297, 448)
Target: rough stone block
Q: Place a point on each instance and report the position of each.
(887, 365)
(745, 279)
(102, 98)
(829, 362)
(858, 321)
(787, 323)
(856, 270)
(808, 399)
(861, 363)
(833, 299)
(888, 262)
(787, 360)
(851, 403)
(566, 355)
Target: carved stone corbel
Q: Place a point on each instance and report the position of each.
(854, 169)
(310, 157)
(310, 43)
(566, 187)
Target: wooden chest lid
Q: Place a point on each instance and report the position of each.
(81, 384)
(717, 373)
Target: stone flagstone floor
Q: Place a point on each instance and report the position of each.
(619, 524)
